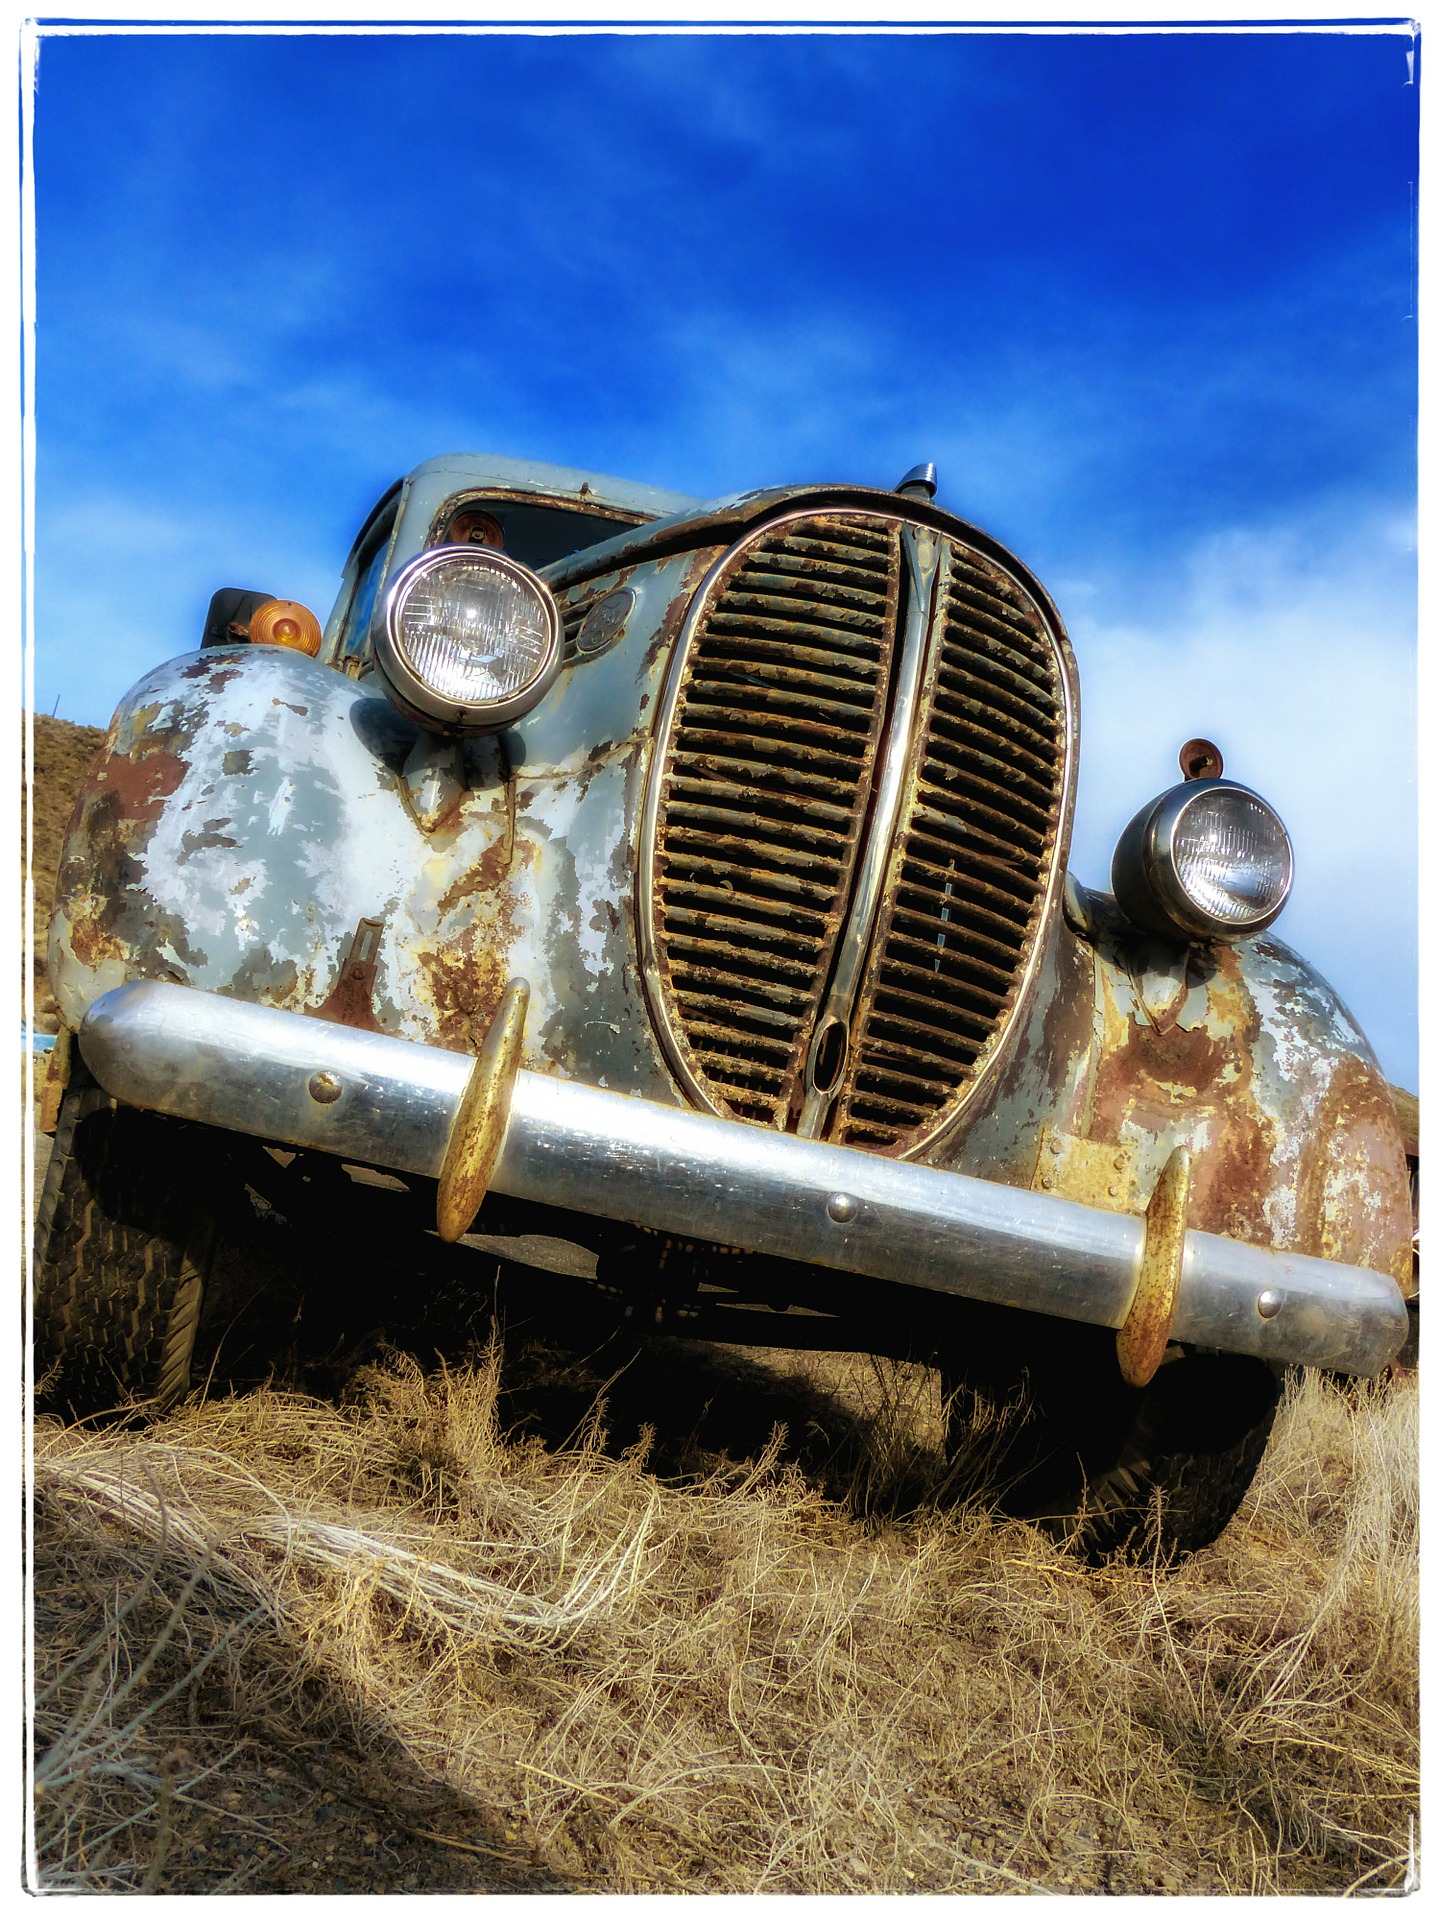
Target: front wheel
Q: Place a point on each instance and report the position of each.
(1048, 1424)
(123, 1243)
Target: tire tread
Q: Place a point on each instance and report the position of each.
(122, 1249)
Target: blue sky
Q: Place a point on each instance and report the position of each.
(1147, 300)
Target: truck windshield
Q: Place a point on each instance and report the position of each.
(533, 533)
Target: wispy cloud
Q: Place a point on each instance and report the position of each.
(1292, 647)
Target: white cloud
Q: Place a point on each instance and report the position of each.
(124, 579)
(1293, 649)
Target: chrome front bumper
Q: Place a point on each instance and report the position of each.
(377, 1101)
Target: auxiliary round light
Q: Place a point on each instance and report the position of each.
(285, 623)
(1208, 860)
(471, 639)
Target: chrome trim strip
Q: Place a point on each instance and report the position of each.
(251, 1069)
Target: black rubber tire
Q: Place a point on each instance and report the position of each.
(123, 1243)
(1109, 1469)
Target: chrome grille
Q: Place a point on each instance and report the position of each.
(970, 867)
(770, 760)
(779, 726)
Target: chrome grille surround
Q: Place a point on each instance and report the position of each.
(779, 720)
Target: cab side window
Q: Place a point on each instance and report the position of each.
(355, 634)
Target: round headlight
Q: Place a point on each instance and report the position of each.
(471, 639)
(1207, 860)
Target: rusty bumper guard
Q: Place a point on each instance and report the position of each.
(475, 1123)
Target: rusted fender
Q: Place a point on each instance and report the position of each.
(252, 810)
(1245, 1055)
(1133, 1047)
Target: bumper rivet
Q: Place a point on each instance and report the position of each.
(842, 1208)
(324, 1087)
(1269, 1303)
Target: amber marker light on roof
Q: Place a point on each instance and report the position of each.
(285, 623)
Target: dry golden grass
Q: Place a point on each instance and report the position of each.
(737, 1685)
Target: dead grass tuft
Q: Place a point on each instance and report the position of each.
(738, 1685)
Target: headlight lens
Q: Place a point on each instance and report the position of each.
(1232, 857)
(1208, 859)
(471, 638)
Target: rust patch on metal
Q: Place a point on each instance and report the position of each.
(135, 785)
(1097, 1173)
(218, 673)
(1151, 1077)
(100, 889)
(467, 969)
(351, 1001)
(1353, 1181)
(666, 634)
(90, 940)
(466, 978)
(464, 958)
(494, 863)
(1199, 1081)
(486, 874)
(1295, 1144)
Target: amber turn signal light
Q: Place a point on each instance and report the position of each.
(285, 623)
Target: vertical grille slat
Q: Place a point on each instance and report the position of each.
(774, 752)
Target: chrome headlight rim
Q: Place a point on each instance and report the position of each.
(414, 695)
(1145, 873)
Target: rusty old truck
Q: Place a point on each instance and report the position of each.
(687, 881)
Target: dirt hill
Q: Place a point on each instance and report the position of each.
(62, 756)
(416, 1617)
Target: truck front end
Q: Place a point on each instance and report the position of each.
(697, 872)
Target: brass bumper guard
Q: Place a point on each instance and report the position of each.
(1140, 1344)
(478, 1131)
